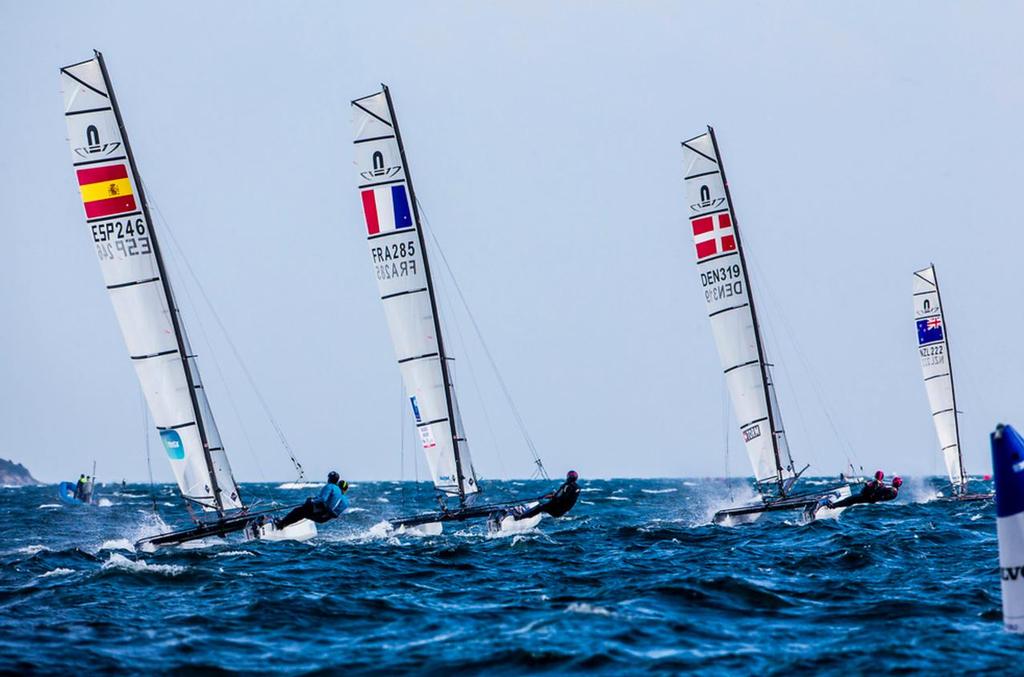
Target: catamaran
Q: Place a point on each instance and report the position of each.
(722, 271)
(937, 369)
(401, 266)
(118, 221)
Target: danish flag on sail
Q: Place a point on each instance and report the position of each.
(713, 235)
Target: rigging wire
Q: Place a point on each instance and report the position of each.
(265, 490)
(541, 470)
(231, 344)
(149, 464)
(476, 384)
(812, 376)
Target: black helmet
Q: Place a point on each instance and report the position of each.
(571, 476)
(333, 477)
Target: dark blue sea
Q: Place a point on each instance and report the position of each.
(635, 579)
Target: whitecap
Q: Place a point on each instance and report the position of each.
(298, 485)
(117, 561)
(235, 553)
(104, 503)
(381, 499)
(59, 571)
(584, 608)
(659, 491)
(351, 510)
(50, 505)
(616, 498)
(33, 549)
(118, 544)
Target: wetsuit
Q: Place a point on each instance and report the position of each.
(328, 504)
(873, 492)
(557, 504)
(78, 487)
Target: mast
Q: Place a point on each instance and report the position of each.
(753, 313)
(952, 381)
(165, 282)
(446, 377)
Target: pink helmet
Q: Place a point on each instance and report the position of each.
(879, 475)
(897, 481)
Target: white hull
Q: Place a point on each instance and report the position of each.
(303, 530)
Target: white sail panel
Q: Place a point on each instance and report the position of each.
(933, 350)
(399, 264)
(725, 284)
(123, 240)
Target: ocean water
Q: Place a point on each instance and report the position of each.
(634, 579)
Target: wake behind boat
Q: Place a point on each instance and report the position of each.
(937, 369)
(398, 253)
(122, 232)
(724, 279)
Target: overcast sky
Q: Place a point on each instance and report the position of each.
(862, 141)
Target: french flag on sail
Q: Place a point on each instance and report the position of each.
(386, 209)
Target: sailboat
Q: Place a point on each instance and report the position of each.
(401, 266)
(125, 241)
(722, 271)
(937, 369)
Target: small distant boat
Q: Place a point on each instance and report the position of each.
(399, 255)
(1008, 471)
(66, 493)
(125, 241)
(722, 271)
(937, 369)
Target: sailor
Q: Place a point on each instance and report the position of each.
(327, 505)
(558, 502)
(873, 492)
(87, 490)
(874, 485)
(80, 486)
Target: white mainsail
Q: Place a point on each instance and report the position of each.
(397, 252)
(118, 222)
(726, 285)
(933, 348)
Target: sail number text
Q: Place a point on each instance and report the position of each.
(121, 238)
(394, 260)
(932, 355)
(721, 283)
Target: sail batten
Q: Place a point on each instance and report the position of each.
(400, 263)
(725, 281)
(119, 223)
(937, 370)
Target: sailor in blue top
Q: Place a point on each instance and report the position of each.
(328, 504)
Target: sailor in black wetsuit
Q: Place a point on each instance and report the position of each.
(558, 502)
(873, 492)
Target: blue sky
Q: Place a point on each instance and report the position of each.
(862, 141)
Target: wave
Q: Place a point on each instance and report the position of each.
(119, 562)
(50, 505)
(659, 491)
(33, 549)
(585, 608)
(299, 485)
(59, 571)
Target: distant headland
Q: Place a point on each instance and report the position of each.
(15, 475)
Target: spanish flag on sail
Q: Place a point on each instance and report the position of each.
(106, 191)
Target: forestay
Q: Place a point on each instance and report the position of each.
(724, 280)
(933, 347)
(402, 270)
(121, 231)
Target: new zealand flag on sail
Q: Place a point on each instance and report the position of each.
(929, 330)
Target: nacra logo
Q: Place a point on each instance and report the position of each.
(93, 145)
